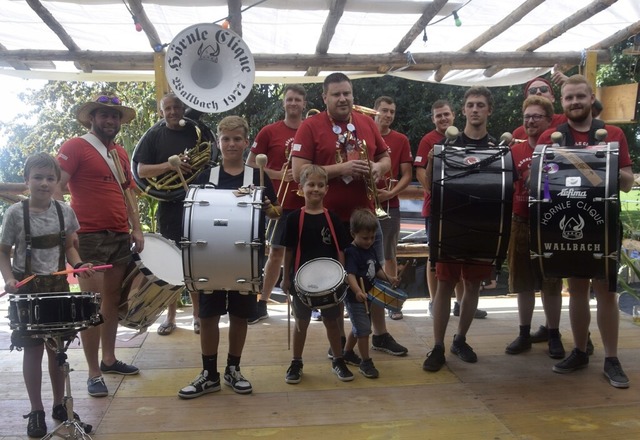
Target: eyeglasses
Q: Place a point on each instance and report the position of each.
(534, 118)
(108, 100)
(542, 89)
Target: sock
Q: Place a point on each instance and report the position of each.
(525, 330)
(554, 333)
(233, 360)
(210, 363)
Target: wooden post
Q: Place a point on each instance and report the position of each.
(162, 87)
(591, 68)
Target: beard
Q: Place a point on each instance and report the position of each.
(108, 133)
(574, 116)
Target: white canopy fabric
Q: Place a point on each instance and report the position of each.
(295, 27)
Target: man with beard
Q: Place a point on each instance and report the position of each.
(104, 236)
(579, 132)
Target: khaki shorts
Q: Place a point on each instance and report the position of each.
(105, 247)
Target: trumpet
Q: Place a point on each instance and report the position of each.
(311, 112)
(271, 224)
(372, 188)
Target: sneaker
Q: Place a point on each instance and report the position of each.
(316, 315)
(480, 314)
(59, 413)
(395, 315)
(36, 426)
(575, 361)
(261, 313)
(540, 335)
(294, 373)
(350, 357)
(556, 349)
(613, 371)
(590, 347)
(435, 359)
(96, 387)
(387, 344)
(340, 368)
(119, 367)
(368, 369)
(519, 345)
(463, 350)
(201, 385)
(234, 378)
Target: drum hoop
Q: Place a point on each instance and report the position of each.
(306, 266)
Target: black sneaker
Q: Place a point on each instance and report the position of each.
(96, 387)
(368, 369)
(119, 367)
(480, 314)
(234, 378)
(519, 345)
(540, 335)
(59, 413)
(36, 426)
(556, 349)
(590, 347)
(340, 368)
(387, 344)
(463, 350)
(201, 385)
(435, 359)
(350, 357)
(294, 373)
(614, 372)
(575, 361)
(261, 313)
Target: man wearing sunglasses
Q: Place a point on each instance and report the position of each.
(108, 225)
(539, 87)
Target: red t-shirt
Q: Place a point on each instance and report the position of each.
(315, 141)
(275, 140)
(422, 157)
(96, 197)
(521, 153)
(521, 133)
(614, 134)
(400, 152)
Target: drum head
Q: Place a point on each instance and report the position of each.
(319, 275)
(162, 258)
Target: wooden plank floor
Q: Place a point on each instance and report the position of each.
(500, 397)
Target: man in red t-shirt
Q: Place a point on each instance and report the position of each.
(104, 237)
(577, 102)
(275, 141)
(397, 180)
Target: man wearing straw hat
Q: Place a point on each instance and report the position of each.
(105, 213)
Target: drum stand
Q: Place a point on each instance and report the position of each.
(71, 428)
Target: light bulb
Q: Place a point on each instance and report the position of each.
(456, 19)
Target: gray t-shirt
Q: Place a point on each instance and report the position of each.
(43, 261)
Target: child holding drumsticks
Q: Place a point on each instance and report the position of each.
(51, 227)
(362, 267)
(319, 233)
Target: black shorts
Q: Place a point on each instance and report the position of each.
(220, 302)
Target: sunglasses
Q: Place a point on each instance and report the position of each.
(108, 100)
(542, 89)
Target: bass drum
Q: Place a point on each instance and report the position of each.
(471, 202)
(574, 211)
(153, 281)
(222, 249)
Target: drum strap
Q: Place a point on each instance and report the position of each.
(93, 140)
(331, 228)
(247, 177)
(43, 241)
(567, 137)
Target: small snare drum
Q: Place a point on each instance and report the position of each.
(320, 283)
(54, 311)
(383, 294)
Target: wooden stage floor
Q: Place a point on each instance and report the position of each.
(500, 397)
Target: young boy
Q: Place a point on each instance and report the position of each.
(322, 235)
(362, 266)
(233, 138)
(51, 227)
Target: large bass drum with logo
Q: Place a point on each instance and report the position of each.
(222, 249)
(574, 212)
(471, 199)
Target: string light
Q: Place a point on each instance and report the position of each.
(424, 35)
(138, 25)
(456, 19)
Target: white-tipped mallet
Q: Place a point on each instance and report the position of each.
(175, 162)
(261, 161)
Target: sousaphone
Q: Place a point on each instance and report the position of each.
(211, 70)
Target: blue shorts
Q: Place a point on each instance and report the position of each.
(360, 320)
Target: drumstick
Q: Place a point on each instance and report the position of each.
(175, 162)
(288, 322)
(366, 305)
(261, 161)
(20, 283)
(82, 269)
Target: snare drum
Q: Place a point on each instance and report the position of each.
(320, 283)
(153, 282)
(383, 294)
(574, 212)
(221, 250)
(54, 311)
(471, 201)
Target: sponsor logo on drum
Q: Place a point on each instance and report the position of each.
(551, 168)
(572, 193)
(470, 160)
(573, 181)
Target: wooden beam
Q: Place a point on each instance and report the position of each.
(500, 27)
(141, 17)
(18, 65)
(57, 28)
(568, 23)
(328, 31)
(235, 16)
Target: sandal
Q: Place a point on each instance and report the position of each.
(166, 328)
(395, 315)
(196, 327)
